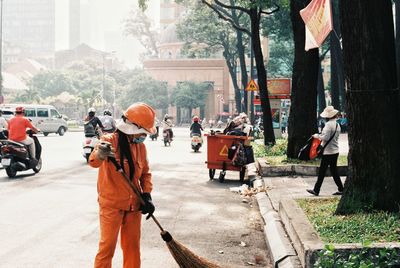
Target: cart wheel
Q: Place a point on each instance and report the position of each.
(211, 173)
(222, 176)
(242, 173)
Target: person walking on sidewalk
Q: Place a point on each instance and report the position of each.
(120, 208)
(330, 142)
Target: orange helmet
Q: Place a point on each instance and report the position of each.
(138, 118)
(19, 109)
(195, 118)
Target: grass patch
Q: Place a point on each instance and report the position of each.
(276, 155)
(356, 228)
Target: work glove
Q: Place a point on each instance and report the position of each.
(147, 207)
(103, 150)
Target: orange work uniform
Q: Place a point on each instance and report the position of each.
(119, 206)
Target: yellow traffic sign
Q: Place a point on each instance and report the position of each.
(252, 86)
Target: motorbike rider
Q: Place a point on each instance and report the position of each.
(167, 125)
(120, 208)
(196, 128)
(3, 126)
(91, 123)
(17, 130)
(107, 121)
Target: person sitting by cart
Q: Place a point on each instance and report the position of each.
(240, 126)
(195, 128)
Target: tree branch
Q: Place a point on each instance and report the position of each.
(219, 13)
(231, 7)
(272, 11)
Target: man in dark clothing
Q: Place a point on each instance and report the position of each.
(195, 128)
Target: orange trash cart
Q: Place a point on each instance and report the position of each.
(217, 155)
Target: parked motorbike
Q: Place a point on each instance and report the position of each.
(197, 141)
(15, 156)
(167, 138)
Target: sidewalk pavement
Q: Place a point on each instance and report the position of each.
(279, 244)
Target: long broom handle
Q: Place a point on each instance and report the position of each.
(134, 188)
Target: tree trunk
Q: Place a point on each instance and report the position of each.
(231, 63)
(337, 78)
(373, 181)
(321, 91)
(269, 136)
(242, 62)
(397, 8)
(303, 110)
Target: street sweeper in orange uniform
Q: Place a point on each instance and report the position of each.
(120, 208)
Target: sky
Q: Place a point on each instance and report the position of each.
(107, 19)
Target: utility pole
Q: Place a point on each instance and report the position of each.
(251, 105)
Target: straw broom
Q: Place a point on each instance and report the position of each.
(182, 255)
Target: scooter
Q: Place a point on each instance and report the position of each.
(89, 143)
(15, 156)
(88, 146)
(166, 138)
(197, 141)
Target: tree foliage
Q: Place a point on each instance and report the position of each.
(139, 26)
(189, 95)
(143, 88)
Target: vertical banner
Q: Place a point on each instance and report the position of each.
(317, 17)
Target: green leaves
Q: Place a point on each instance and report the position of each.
(189, 95)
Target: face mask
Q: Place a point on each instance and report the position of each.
(139, 140)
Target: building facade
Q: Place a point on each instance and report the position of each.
(30, 25)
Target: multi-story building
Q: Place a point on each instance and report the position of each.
(74, 23)
(30, 24)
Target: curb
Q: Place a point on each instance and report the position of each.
(292, 170)
(282, 252)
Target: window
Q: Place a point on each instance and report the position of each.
(30, 112)
(54, 113)
(42, 112)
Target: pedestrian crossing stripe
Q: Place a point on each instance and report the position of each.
(224, 151)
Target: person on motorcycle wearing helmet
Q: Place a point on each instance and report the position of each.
(167, 125)
(92, 119)
(3, 126)
(195, 128)
(107, 121)
(17, 130)
(120, 208)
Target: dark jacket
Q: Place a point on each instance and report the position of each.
(196, 128)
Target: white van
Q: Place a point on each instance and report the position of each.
(44, 117)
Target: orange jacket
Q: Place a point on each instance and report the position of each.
(113, 190)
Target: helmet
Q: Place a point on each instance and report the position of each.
(195, 118)
(138, 118)
(91, 110)
(166, 116)
(107, 112)
(19, 109)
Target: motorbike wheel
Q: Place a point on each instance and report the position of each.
(87, 158)
(211, 173)
(222, 176)
(242, 173)
(11, 172)
(38, 166)
(165, 143)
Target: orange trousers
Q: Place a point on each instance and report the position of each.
(112, 221)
